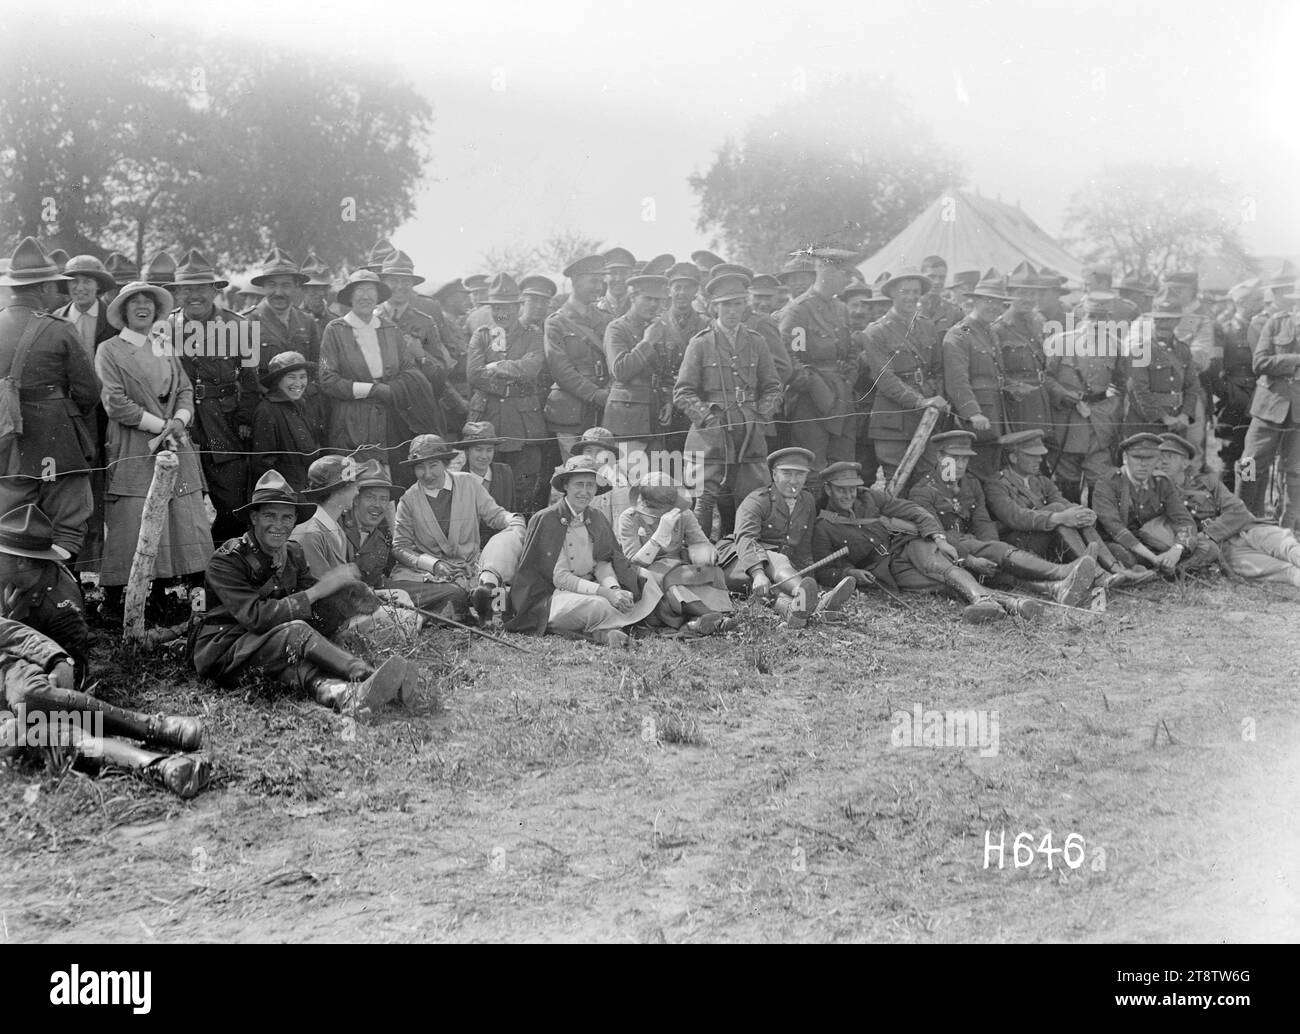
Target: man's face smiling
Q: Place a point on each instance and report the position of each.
(370, 507)
(83, 291)
(272, 525)
(196, 300)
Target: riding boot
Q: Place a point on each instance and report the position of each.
(182, 774)
(794, 609)
(726, 515)
(175, 731)
(704, 507)
(333, 660)
(383, 686)
(983, 606)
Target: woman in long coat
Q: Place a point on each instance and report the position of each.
(150, 403)
(380, 400)
(282, 431)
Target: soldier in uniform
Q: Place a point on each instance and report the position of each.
(1024, 365)
(728, 386)
(640, 369)
(1032, 513)
(48, 462)
(815, 331)
(575, 355)
(420, 333)
(1246, 545)
(773, 541)
(1281, 288)
(1100, 278)
(943, 314)
(315, 292)
(619, 264)
(226, 392)
(796, 276)
(1275, 417)
(448, 308)
(764, 289)
(899, 544)
(683, 321)
(1142, 515)
(861, 304)
(957, 500)
(905, 362)
(1231, 380)
(972, 372)
(264, 614)
(367, 526)
(1163, 391)
(959, 290)
(1051, 313)
(505, 361)
(1138, 292)
(1086, 380)
(286, 328)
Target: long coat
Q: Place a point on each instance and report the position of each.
(637, 353)
(530, 594)
(972, 375)
(575, 356)
(507, 396)
(357, 422)
(1024, 367)
(59, 390)
(283, 440)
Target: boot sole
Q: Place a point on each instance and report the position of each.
(185, 774)
(1077, 587)
(982, 614)
(384, 685)
(837, 597)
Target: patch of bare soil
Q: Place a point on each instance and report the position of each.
(751, 787)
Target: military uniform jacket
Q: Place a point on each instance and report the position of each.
(299, 333)
(942, 314)
(972, 375)
(25, 653)
(1085, 364)
(1165, 386)
(906, 365)
(1232, 379)
(226, 394)
(575, 357)
(1020, 503)
(960, 506)
(865, 530)
(637, 352)
(1122, 508)
(815, 331)
(1024, 369)
(424, 344)
(614, 308)
(53, 606)
(374, 557)
(723, 390)
(1217, 512)
(1277, 362)
(57, 391)
(507, 396)
(764, 522)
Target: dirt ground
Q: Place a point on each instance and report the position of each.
(746, 788)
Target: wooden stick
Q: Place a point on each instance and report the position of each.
(842, 551)
(914, 449)
(156, 504)
(456, 624)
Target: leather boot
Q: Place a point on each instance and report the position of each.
(333, 660)
(175, 731)
(1069, 585)
(1020, 606)
(982, 607)
(794, 609)
(833, 601)
(704, 507)
(382, 687)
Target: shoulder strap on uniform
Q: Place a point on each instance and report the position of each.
(30, 333)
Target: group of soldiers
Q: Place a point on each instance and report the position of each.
(969, 436)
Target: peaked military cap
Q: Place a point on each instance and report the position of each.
(588, 265)
(1173, 443)
(792, 458)
(651, 286)
(1030, 442)
(657, 266)
(541, 286)
(1144, 443)
(683, 271)
(619, 258)
(954, 443)
(845, 473)
(727, 288)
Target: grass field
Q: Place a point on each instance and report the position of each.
(739, 788)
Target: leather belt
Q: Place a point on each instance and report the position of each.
(1095, 396)
(218, 391)
(47, 393)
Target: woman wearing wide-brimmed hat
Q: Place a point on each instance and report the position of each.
(380, 399)
(150, 404)
(282, 430)
(478, 446)
(660, 534)
(440, 556)
(573, 577)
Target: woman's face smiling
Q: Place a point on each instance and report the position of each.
(292, 385)
(580, 490)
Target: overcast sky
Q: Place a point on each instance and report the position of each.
(557, 115)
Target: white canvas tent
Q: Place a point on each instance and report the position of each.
(972, 232)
